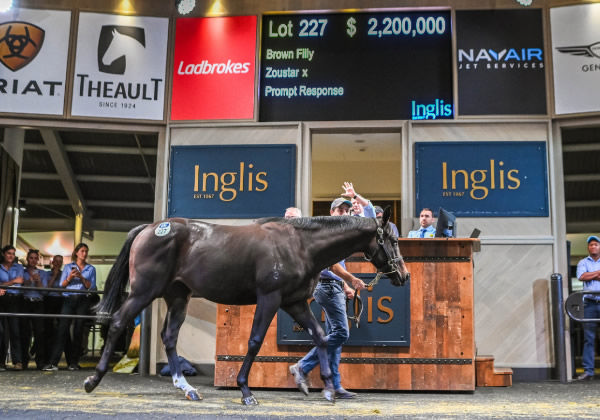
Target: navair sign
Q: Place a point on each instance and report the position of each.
(120, 66)
(33, 60)
(214, 67)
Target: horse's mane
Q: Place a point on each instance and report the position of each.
(322, 222)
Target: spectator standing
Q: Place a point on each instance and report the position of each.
(11, 274)
(77, 275)
(33, 303)
(588, 271)
(53, 302)
(292, 212)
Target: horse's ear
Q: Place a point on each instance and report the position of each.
(387, 213)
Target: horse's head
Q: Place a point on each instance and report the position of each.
(385, 254)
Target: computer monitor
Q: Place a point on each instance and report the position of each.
(446, 224)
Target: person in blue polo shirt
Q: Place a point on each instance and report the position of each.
(77, 275)
(426, 221)
(33, 303)
(588, 271)
(11, 274)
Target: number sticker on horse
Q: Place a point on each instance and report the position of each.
(162, 229)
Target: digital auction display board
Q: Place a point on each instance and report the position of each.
(356, 66)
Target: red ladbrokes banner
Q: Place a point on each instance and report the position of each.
(213, 78)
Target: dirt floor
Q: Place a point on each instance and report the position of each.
(33, 394)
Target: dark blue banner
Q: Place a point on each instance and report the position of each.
(482, 179)
(385, 319)
(228, 182)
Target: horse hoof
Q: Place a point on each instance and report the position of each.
(193, 396)
(249, 400)
(329, 394)
(89, 384)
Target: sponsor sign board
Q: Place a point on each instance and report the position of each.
(482, 179)
(214, 68)
(576, 58)
(356, 66)
(384, 321)
(500, 62)
(228, 182)
(120, 66)
(33, 60)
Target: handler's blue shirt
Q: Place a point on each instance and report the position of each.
(15, 270)
(34, 294)
(328, 274)
(587, 265)
(89, 272)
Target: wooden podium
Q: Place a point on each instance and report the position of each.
(441, 355)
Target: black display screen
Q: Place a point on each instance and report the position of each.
(356, 66)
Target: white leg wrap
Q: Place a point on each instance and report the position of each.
(181, 383)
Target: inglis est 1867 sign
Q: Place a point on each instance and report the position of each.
(229, 182)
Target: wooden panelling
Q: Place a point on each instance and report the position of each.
(441, 328)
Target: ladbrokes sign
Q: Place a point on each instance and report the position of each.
(213, 76)
(120, 66)
(33, 57)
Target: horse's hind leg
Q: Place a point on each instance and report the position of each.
(266, 307)
(303, 315)
(133, 305)
(177, 299)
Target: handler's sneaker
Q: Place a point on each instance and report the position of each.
(342, 394)
(300, 378)
(50, 368)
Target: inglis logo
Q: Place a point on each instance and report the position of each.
(431, 111)
(228, 183)
(115, 43)
(508, 58)
(20, 42)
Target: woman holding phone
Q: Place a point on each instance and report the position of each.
(77, 275)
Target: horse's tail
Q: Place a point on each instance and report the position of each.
(118, 278)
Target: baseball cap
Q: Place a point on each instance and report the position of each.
(378, 209)
(593, 238)
(338, 202)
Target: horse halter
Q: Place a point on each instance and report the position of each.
(392, 262)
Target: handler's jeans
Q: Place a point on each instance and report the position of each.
(591, 309)
(332, 299)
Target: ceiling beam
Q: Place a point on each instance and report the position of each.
(84, 148)
(57, 224)
(583, 227)
(117, 179)
(90, 203)
(582, 177)
(583, 203)
(63, 168)
(581, 147)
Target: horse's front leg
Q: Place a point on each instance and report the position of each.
(266, 307)
(302, 314)
(177, 299)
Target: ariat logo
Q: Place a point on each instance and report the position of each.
(115, 44)
(20, 42)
